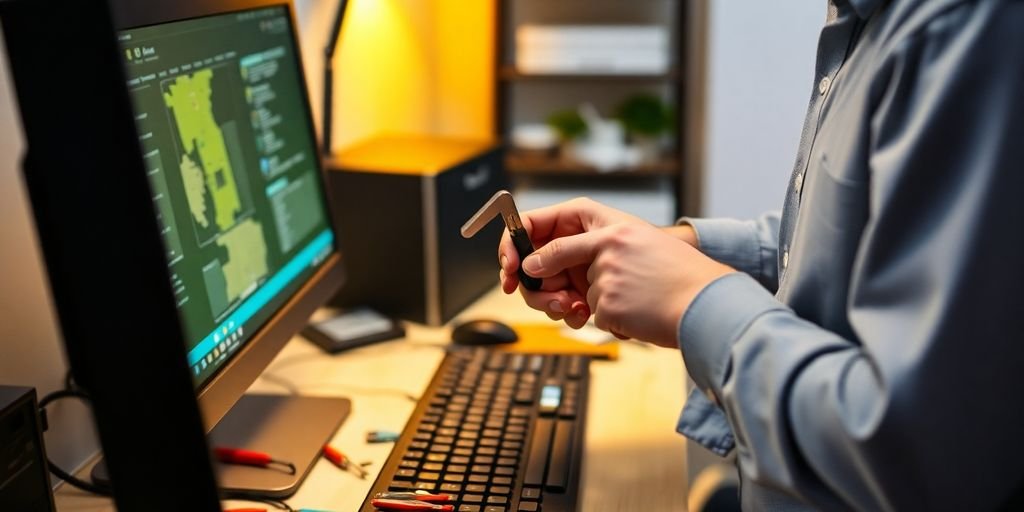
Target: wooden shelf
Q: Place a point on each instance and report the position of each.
(518, 164)
(511, 74)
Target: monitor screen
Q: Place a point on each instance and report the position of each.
(221, 113)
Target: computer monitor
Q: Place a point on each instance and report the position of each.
(233, 187)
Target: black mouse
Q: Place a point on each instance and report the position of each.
(483, 332)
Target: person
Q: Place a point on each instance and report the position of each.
(862, 350)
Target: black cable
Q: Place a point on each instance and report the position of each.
(72, 480)
(105, 490)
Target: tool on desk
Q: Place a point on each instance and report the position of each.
(418, 495)
(503, 204)
(250, 458)
(381, 436)
(409, 505)
(342, 461)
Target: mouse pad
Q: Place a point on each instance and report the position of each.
(548, 339)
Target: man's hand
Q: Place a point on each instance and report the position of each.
(637, 280)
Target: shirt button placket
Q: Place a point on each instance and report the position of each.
(824, 85)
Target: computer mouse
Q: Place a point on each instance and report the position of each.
(483, 332)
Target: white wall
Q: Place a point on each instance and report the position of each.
(761, 73)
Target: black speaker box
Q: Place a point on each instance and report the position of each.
(24, 477)
(399, 202)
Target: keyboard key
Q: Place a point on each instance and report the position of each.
(483, 460)
(429, 476)
(497, 500)
(507, 461)
(469, 508)
(451, 488)
(491, 432)
(405, 474)
(418, 445)
(494, 508)
(465, 443)
(561, 457)
(432, 466)
(481, 468)
(476, 488)
(459, 454)
(410, 464)
(540, 445)
(472, 498)
(501, 480)
(447, 431)
(515, 437)
(527, 506)
(488, 441)
(504, 471)
(531, 493)
(479, 479)
(423, 436)
(437, 457)
(511, 445)
(509, 453)
(454, 477)
(500, 489)
(399, 485)
(456, 468)
(440, 448)
(444, 440)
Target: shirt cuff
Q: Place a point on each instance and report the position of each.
(716, 319)
(705, 423)
(732, 242)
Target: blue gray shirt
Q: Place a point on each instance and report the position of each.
(871, 353)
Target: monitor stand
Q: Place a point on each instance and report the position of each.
(289, 428)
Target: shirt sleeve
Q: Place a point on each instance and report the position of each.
(750, 246)
(920, 412)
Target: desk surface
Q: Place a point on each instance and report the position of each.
(634, 460)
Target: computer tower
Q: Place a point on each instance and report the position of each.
(24, 477)
(400, 201)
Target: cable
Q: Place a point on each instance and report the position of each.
(105, 490)
(72, 480)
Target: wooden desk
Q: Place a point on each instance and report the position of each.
(634, 460)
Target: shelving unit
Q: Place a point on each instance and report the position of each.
(522, 97)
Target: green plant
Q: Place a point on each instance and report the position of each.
(568, 124)
(646, 115)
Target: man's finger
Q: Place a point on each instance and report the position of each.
(563, 253)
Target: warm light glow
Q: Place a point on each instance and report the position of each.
(414, 66)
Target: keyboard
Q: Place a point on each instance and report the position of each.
(495, 432)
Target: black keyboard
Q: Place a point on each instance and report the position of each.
(495, 432)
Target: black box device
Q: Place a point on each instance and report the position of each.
(24, 478)
(400, 201)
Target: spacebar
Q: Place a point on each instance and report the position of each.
(539, 447)
(561, 457)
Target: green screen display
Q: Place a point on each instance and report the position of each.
(225, 130)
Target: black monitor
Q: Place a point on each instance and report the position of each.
(227, 162)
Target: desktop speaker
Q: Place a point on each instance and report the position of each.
(24, 477)
(399, 202)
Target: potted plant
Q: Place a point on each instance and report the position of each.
(647, 120)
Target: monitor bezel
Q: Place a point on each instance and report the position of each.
(222, 390)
